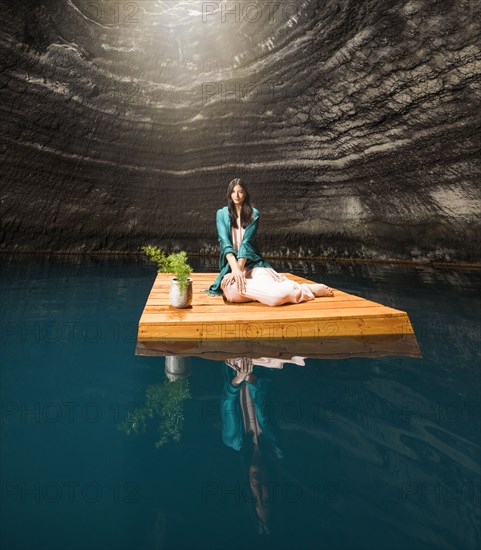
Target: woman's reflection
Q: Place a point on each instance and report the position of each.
(248, 426)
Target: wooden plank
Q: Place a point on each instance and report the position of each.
(295, 330)
(160, 306)
(211, 300)
(211, 319)
(192, 316)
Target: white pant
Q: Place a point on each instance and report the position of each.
(262, 286)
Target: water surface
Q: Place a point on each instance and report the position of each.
(355, 453)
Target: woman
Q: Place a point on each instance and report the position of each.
(244, 274)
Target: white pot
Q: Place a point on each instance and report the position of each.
(180, 299)
(177, 367)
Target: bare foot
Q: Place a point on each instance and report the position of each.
(321, 290)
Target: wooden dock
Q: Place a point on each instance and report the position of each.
(341, 326)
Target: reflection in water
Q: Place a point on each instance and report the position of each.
(164, 404)
(384, 451)
(248, 427)
(323, 347)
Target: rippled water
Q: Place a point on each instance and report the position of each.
(353, 454)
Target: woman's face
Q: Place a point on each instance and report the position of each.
(238, 195)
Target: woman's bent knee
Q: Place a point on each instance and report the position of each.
(234, 296)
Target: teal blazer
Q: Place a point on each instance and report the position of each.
(231, 413)
(248, 248)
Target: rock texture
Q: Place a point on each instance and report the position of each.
(356, 124)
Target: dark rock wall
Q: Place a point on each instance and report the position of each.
(356, 124)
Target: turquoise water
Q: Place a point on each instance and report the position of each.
(358, 453)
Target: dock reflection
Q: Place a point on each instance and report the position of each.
(327, 347)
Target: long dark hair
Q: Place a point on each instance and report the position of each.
(246, 209)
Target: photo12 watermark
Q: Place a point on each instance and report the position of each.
(269, 331)
(320, 492)
(451, 412)
(267, 12)
(241, 92)
(289, 412)
(71, 332)
(72, 18)
(113, 12)
(64, 412)
(127, 92)
(68, 492)
(434, 493)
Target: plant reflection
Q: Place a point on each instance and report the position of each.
(164, 404)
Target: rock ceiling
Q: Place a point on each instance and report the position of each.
(355, 123)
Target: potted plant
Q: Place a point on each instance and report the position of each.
(176, 263)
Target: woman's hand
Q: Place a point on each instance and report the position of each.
(239, 279)
(227, 280)
(244, 367)
(237, 272)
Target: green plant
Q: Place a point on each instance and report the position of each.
(163, 402)
(175, 263)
